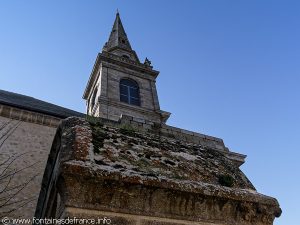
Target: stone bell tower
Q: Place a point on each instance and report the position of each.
(120, 84)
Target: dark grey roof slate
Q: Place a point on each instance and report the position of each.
(36, 105)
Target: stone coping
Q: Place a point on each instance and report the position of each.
(173, 132)
(28, 116)
(91, 171)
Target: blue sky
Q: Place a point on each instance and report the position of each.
(229, 69)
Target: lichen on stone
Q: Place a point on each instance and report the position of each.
(130, 152)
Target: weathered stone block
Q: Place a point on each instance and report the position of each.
(115, 181)
(139, 120)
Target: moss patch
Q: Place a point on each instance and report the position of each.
(93, 120)
(98, 136)
(226, 180)
(127, 129)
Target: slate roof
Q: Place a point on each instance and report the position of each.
(36, 105)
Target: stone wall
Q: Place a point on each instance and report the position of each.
(26, 137)
(86, 178)
(129, 219)
(144, 125)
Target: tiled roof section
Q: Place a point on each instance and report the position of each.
(36, 105)
(146, 155)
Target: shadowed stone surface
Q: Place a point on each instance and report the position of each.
(27, 145)
(27, 129)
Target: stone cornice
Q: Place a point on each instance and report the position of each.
(127, 106)
(28, 116)
(129, 63)
(127, 71)
(188, 202)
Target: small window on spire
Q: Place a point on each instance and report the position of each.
(129, 92)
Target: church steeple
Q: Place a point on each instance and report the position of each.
(118, 37)
(120, 84)
(118, 42)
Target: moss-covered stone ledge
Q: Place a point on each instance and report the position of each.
(145, 126)
(142, 178)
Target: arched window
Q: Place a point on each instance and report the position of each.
(129, 92)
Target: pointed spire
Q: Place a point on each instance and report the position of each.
(118, 37)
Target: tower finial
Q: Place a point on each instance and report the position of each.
(117, 11)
